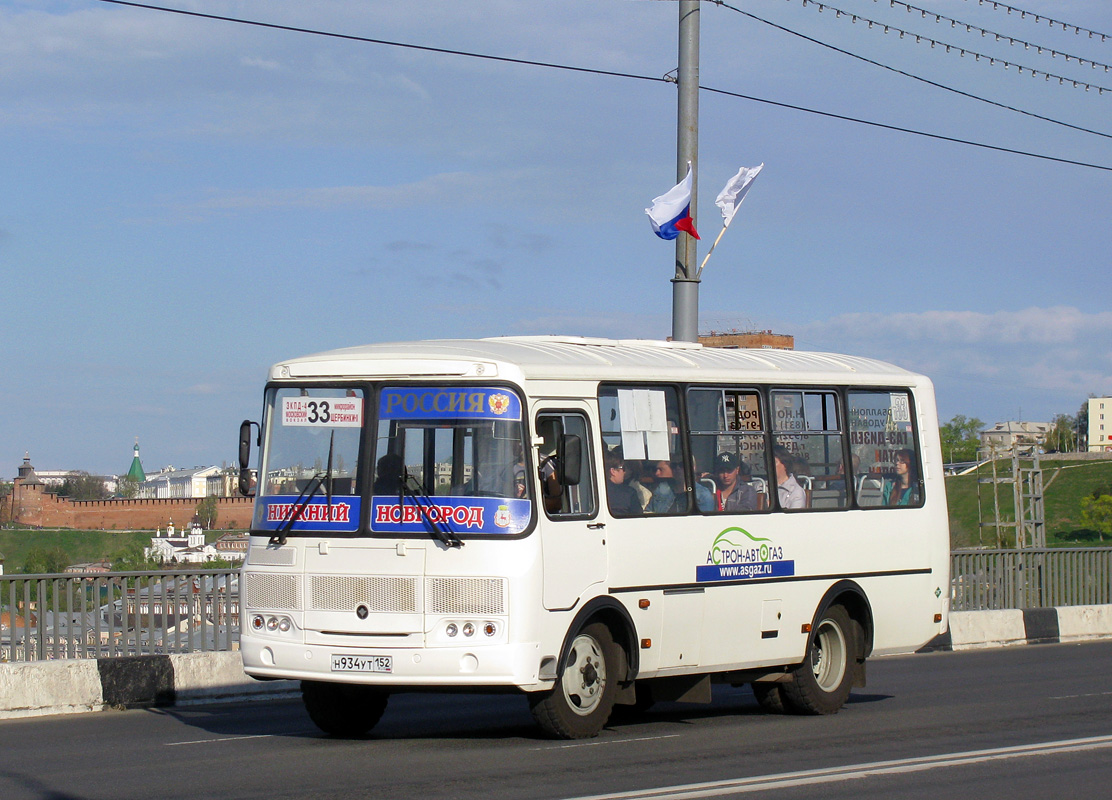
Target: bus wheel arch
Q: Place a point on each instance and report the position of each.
(838, 643)
(596, 659)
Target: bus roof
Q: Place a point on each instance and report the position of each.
(518, 358)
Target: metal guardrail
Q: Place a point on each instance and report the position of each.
(103, 614)
(96, 615)
(1032, 578)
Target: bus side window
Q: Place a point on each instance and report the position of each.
(885, 451)
(640, 426)
(808, 452)
(564, 465)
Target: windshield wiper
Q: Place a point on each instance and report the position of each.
(424, 503)
(310, 490)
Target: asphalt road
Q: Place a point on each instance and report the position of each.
(1024, 722)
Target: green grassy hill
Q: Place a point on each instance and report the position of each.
(1064, 484)
(79, 546)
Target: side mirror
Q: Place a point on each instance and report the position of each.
(245, 487)
(571, 461)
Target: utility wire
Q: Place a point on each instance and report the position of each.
(906, 74)
(997, 6)
(919, 37)
(609, 73)
(970, 28)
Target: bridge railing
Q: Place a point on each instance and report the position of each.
(93, 615)
(1031, 578)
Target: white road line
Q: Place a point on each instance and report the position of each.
(225, 739)
(1073, 696)
(784, 780)
(596, 743)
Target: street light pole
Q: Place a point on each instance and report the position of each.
(685, 285)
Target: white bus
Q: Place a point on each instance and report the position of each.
(589, 522)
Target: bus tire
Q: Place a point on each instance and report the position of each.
(343, 709)
(579, 705)
(821, 684)
(770, 696)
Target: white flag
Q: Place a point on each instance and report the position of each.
(736, 188)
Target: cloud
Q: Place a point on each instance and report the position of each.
(438, 190)
(1043, 359)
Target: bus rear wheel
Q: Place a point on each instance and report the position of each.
(579, 705)
(821, 684)
(343, 709)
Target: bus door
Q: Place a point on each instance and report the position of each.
(573, 543)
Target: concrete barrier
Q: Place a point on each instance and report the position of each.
(68, 686)
(38, 688)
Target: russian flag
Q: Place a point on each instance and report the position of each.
(671, 212)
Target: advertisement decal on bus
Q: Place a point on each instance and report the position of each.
(730, 560)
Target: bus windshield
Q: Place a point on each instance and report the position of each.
(309, 478)
(449, 458)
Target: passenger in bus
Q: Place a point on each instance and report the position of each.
(788, 490)
(704, 493)
(620, 496)
(903, 490)
(733, 494)
(388, 474)
(668, 489)
(643, 480)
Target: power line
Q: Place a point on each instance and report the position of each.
(970, 28)
(909, 74)
(592, 71)
(993, 60)
(997, 6)
(897, 128)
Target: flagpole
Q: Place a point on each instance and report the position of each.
(706, 258)
(685, 285)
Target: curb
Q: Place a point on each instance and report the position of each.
(40, 688)
(971, 630)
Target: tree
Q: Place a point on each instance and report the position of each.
(1096, 511)
(80, 485)
(1062, 435)
(961, 437)
(133, 559)
(207, 512)
(1082, 422)
(127, 486)
(43, 560)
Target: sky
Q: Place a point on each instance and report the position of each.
(187, 201)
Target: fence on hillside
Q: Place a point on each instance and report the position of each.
(97, 615)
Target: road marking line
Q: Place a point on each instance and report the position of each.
(607, 742)
(1073, 696)
(225, 739)
(760, 783)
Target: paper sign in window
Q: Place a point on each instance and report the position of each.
(644, 421)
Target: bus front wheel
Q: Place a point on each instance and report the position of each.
(343, 709)
(821, 684)
(580, 703)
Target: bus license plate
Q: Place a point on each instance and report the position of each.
(362, 663)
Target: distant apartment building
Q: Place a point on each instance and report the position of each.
(1006, 437)
(1100, 425)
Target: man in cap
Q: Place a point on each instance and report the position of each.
(733, 494)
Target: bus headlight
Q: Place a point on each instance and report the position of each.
(468, 629)
(451, 630)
